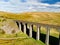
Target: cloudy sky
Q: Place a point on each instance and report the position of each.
(17, 6)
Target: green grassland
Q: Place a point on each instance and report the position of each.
(38, 17)
(18, 38)
(24, 40)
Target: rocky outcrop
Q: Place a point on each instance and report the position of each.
(9, 26)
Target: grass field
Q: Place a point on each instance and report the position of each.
(23, 40)
(18, 38)
(39, 17)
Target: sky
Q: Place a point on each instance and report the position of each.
(17, 6)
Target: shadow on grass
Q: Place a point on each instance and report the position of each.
(52, 40)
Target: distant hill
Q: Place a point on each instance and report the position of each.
(40, 17)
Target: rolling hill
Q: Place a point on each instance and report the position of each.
(40, 17)
(16, 37)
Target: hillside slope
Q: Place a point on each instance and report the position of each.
(16, 37)
(40, 17)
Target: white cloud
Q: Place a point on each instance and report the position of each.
(58, 3)
(31, 5)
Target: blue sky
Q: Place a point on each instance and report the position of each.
(17, 6)
(50, 1)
